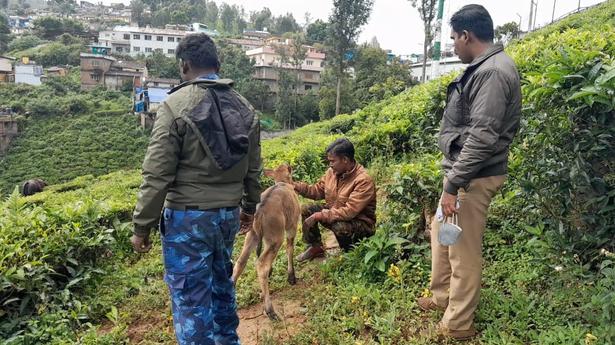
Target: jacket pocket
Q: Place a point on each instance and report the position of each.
(445, 143)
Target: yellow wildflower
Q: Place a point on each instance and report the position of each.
(590, 339)
(394, 273)
(354, 299)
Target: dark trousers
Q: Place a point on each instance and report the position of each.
(347, 233)
(197, 248)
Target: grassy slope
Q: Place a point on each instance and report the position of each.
(525, 298)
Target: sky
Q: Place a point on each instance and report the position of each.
(397, 25)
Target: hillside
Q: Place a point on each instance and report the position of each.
(69, 133)
(549, 276)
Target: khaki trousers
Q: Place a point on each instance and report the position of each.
(456, 270)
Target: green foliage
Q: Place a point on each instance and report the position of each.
(345, 24)
(159, 65)
(4, 32)
(53, 148)
(375, 77)
(49, 28)
(24, 42)
(565, 147)
(52, 245)
(317, 31)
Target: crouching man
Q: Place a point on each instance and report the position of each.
(350, 202)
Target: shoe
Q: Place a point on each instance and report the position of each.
(311, 253)
(445, 332)
(427, 304)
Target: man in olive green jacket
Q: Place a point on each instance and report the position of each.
(202, 163)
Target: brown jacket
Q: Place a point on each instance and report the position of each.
(349, 196)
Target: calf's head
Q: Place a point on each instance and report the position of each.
(283, 173)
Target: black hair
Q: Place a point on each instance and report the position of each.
(341, 147)
(200, 50)
(473, 18)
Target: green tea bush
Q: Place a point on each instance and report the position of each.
(52, 244)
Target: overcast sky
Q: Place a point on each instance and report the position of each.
(396, 24)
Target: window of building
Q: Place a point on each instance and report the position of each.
(126, 36)
(119, 49)
(95, 63)
(95, 77)
(148, 37)
(159, 38)
(171, 51)
(322, 64)
(136, 36)
(308, 76)
(159, 50)
(178, 39)
(308, 87)
(309, 62)
(136, 49)
(170, 39)
(148, 50)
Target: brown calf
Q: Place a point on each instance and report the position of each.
(277, 214)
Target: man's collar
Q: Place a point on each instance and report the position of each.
(494, 49)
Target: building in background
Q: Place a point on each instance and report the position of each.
(104, 70)
(268, 60)
(133, 41)
(6, 69)
(28, 72)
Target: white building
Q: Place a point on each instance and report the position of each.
(447, 65)
(28, 73)
(135, 40)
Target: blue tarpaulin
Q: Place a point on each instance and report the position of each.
(157, 95)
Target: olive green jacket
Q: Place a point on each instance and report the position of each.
(189, 165)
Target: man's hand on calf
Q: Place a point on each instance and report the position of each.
(311, 220)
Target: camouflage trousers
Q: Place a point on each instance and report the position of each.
(347, 233)
(197, 248)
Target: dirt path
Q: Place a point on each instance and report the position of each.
(255, 327)
(153, 324)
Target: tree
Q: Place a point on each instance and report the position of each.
(506, 32)
(427, 11)
(4, 4)
(374, 72)
(138, 12)
(24, 42)
(289, 82)
(64, 7)
(159, 65)
(317, 31)
(286, 23)
(228, 15)
(211, 14)
(49, 28)
(327, 93)
(261, 19)
(4, 32)
(344, 27)
(236, 65)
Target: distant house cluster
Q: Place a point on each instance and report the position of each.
(135, 41)
(26, 71)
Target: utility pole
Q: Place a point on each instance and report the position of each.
(518, 15)
(553, 13)
(437, 48)
(533, 11)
